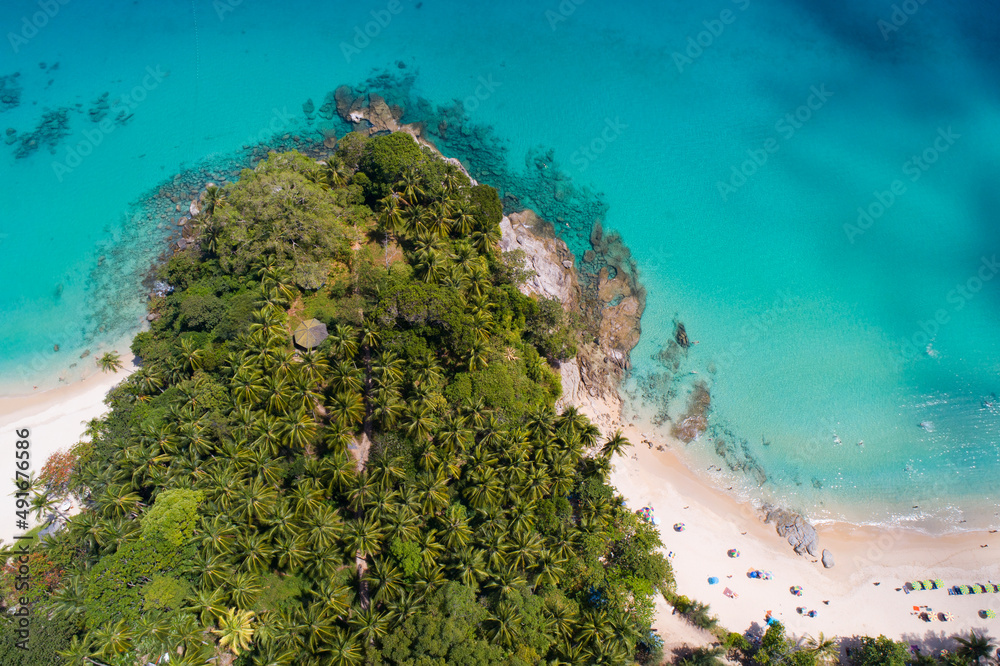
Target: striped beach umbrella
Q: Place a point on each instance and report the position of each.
(964, 589)
(917, 585)
(989, 613)
(979, 588)
(938, 583)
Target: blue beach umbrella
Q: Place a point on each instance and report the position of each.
(713, 580)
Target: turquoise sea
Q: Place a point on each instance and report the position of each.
(810, 187)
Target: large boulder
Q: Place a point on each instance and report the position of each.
(827, 559)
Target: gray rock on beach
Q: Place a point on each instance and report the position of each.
(800, 534)
(827, 559)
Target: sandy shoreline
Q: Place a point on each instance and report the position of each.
(56, 419)
(715, 522)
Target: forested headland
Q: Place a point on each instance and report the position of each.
(404, 492)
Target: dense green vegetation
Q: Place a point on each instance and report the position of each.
(403, 494)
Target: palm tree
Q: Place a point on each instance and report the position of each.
(190, 357)
(345, 376)
(235, 630)
(369, 623)
(347, 409)
(335, 172)
(110, 362)
(825, 650)
(705, 656)
(111, 640)
(78, 652)
(344, 342)
(344, 649)
(462, 220)
(298, 430)
(419, 422)
(975, 647)
(615, 445)
(478, 356)
(363, 537)
(503, 626)
(214, 198)
(410, 186)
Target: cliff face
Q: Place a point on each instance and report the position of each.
(611, 306)
(545, 255)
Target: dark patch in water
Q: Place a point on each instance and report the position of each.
(50, 131)
(10, 91)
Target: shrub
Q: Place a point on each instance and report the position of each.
(385, 158)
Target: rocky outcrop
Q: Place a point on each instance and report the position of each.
(800, 534)
(370, 114)
(611, 307)
(827, 559)
(545, 256)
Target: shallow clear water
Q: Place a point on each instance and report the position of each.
(808, 330)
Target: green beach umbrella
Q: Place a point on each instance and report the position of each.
(310, 333)
(989, 614)
(979, 588)
(938, 583)
(965, 589)
(917, 585)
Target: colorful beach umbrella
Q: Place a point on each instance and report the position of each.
(678, 527)
(796, 590)
(733, 552)
(948, 617)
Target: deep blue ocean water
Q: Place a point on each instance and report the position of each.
(810, 187)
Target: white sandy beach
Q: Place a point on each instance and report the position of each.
(56, 420)
(715, 523)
